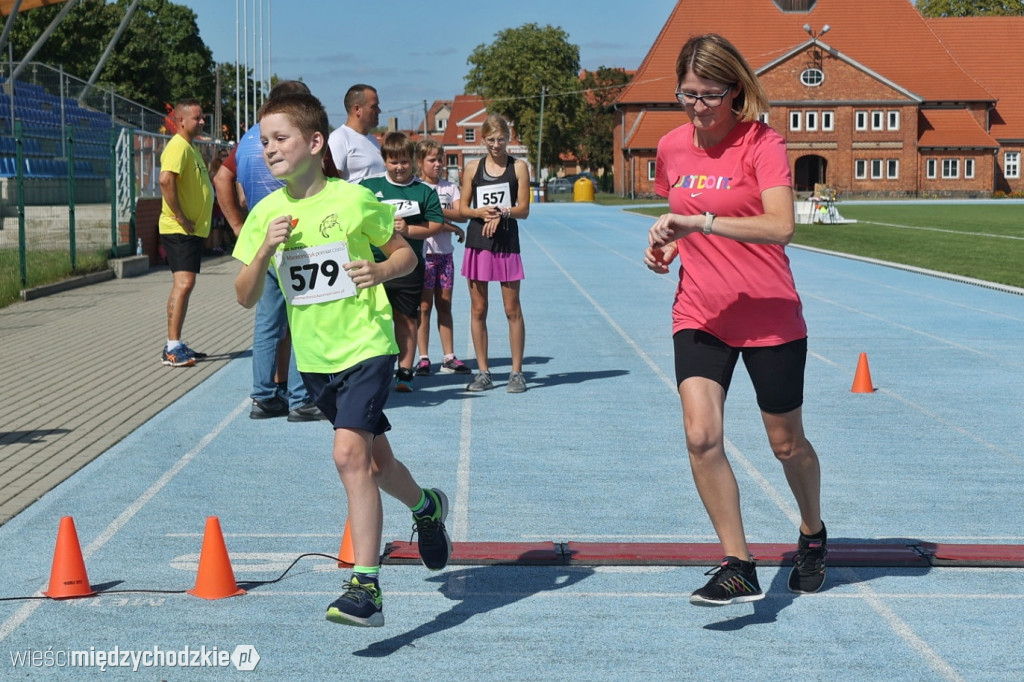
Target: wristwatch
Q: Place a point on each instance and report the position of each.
(709, 219)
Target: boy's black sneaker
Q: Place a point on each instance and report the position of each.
(808, 574)
(360, 605)
(434, 544)
(733, 582)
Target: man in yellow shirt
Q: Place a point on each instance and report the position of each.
(185, 216)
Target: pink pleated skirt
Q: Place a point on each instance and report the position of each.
(486, 266)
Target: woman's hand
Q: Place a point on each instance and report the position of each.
(658, 258)
(669, 227)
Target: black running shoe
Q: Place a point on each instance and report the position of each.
(808, 574)
(434, 544)
(360, 605)
(733, 582)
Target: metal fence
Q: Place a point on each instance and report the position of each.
(73, 163)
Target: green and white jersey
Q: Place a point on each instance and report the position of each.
(333, 325)
(417, 202)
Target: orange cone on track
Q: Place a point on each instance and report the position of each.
(347, 554)
(862, 379)
(215, 579)
(67, 575)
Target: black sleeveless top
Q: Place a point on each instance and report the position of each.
(506, 237)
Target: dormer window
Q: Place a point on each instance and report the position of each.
(812, 78)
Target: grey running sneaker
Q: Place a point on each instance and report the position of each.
(733, 582)
(481, 382)
(306, 413)
(808, 574)
(360, 605)
(433, 542)
(516, 383)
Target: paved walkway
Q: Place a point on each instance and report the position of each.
(81, 370)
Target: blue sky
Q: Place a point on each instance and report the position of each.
(412, 52)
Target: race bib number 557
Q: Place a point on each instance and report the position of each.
(315, 274)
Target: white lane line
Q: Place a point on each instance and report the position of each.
(900, 627)
(970, 435)
(22, 614)
(460, 524)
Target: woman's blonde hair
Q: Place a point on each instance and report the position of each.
(713, 57)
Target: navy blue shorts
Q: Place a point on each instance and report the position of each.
(404, 293)
(777, 372)
(355, 397)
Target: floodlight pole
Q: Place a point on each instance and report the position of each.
(110, 48)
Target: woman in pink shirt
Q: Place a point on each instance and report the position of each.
(729, 188)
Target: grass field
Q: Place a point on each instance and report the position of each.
(983, 241)
(43, 267)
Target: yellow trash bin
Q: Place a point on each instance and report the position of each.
(583, 190)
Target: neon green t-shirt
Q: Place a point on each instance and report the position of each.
(195, 191)
(332, 335)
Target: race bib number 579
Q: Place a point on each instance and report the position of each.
(315, 274)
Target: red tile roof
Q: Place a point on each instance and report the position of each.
(652, 126)
(990, 49)
(951, 128)
(887, 36)
(465, 108)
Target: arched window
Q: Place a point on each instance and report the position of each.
(812, 78)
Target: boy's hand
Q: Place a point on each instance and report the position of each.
(279, 231)
(364, 273)
(401, 227)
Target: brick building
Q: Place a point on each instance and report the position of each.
(872, 98)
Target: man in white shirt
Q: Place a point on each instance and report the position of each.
(355, 151)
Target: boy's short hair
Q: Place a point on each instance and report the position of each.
(289, 87)
(397, 146)
(304, 111)
(426, 147)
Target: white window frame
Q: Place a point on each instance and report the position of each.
(794, 120)
(652, 169)
(811, 121)
(876, 169)
(763, 117)
(968, 169)
(860, 119)
(812, 77)
(877, 118)
(860, 169)
(892, 169)
(470, 135)
(950, 169)
(892, 119)
(828, 121)
(1011, 164)
(441, 123)
(931, 168)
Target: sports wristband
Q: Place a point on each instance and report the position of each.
(709, 219)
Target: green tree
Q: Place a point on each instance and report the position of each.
(598, 122)
(159, 58)
(512, 71)
(970, 8)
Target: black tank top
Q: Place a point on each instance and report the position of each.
(488, 190)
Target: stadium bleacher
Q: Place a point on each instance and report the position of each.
(47, 123)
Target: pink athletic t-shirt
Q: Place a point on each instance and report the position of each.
(743, 294)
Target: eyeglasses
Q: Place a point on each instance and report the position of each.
(710, 101)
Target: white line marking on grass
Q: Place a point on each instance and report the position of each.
(22, 614)
(939, 229)
(788, 509)
(897, 625)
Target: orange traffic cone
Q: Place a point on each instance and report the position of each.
(862, 379)
(67, 575)
(215, 579)
(346, 555)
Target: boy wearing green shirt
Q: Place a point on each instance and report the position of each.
(318, 233)
(418, 215)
